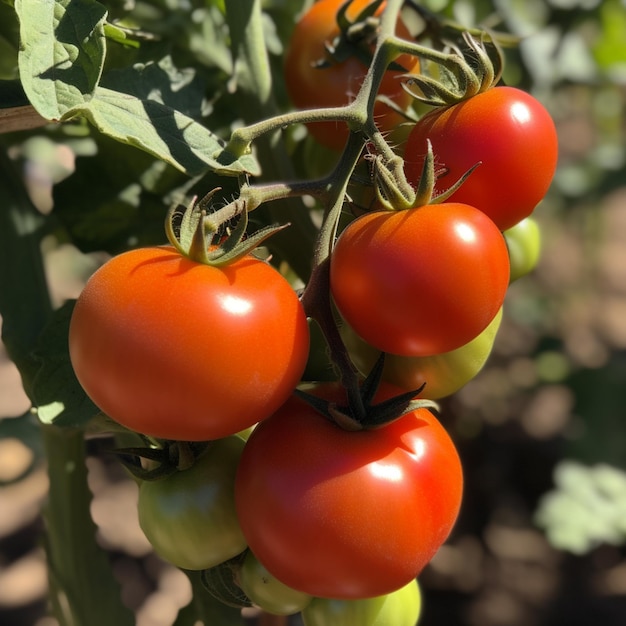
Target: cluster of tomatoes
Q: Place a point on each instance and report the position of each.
(314, 510)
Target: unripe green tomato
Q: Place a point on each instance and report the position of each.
(444, 374)
(268, 593)
(400, 608)
(524, 244)
(189, 517)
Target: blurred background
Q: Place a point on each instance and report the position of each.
(541, 540)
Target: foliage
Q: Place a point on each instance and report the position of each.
(121, 110)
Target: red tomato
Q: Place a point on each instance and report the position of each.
(180, 350)
(343, 514)
(422, 281)
(509, 132)
(336, 85)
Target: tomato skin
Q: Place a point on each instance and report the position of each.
(443, 374)
(268, 593)
(347, 515)
(189, 517)
(524, 244)
(399, 608)
(422, 281)
(509, 132)
(309, 87)
(179, 350)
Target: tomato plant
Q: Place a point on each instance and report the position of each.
(266, 591)
(341, 514)
(181, 350)
(523, 242)
(504, 129)
(422, 281)
(443, 374)
(337, 82)
(189, 516)
(398, 608)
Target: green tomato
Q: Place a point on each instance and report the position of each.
(444, 374)
(189, 516)
(400, 608)
(266, 591)
(524, 244)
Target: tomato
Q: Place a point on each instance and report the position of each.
(266, 592)
(505, 129)
(343, 514)
(524, 244)
(399, 608)
(189, 517)
(421, 281)
(180, 350)
(443, 374)
(336, 85)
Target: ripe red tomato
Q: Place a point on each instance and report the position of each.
(181, 350)
(509, 132)
(336, 85)
(422, 281)
(189, 517)
(443, 374)
(347, 515)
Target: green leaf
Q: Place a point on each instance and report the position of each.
(62, 53)
(165, 133)
(115, 198)
(57, 394)
(181, 89)
(587, 507)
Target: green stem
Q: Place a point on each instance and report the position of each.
(241, 138)
(81, 582)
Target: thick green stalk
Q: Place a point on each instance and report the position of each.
(81, 583)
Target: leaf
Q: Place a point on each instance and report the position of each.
(114, 198)
(57, 394)
(587, 507)
(62, 53)
(165, 133)
(181, 89)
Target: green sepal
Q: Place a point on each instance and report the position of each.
(221, 583)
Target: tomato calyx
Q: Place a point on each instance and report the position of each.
(202, 236)
(360, 412)
(472, 66)
(221, 583)
(356, 38)
(395, 193)
(154, 463)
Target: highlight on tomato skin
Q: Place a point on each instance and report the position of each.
(343, 514)
(422, 281)
(337, 83)
(507, 131)
(180, 350)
